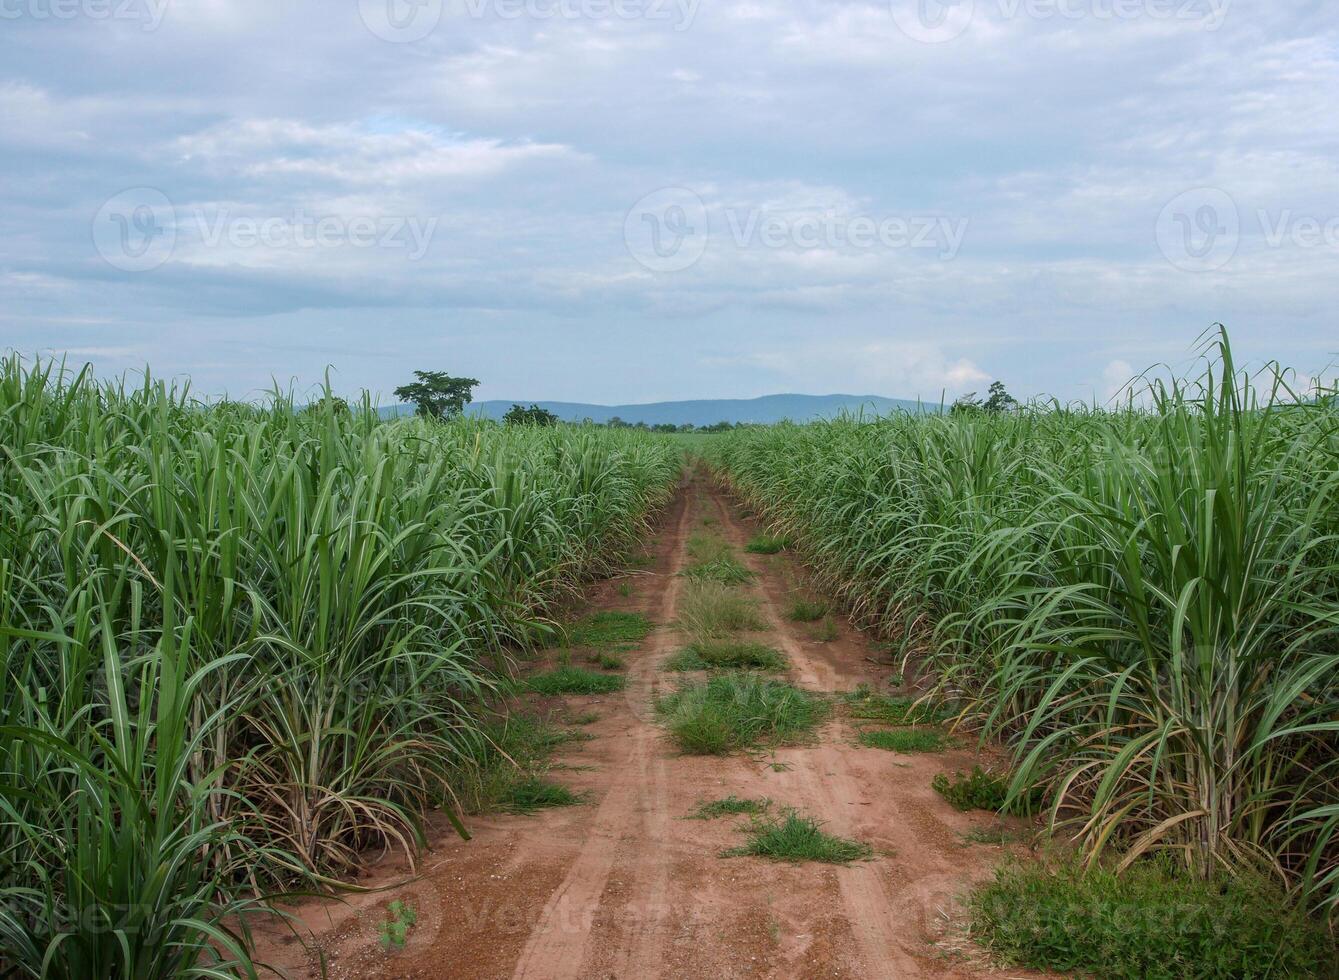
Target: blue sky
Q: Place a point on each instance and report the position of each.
(636, 200)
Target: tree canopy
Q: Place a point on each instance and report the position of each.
(534, 415)
(437, 394)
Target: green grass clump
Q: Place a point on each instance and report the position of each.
(864, 704)
(826, 631)
(807, 610)
(713, 561)
(1150, 922)
(507, 753)
(729, 806)
(531, 793)
(996, 834)
(713, 609)
(738, 710)
(727, 655)
(574, 680)
(726, 570)
(609, 661)
(792, 837)
(904, 739)
(982, 789)
(604, 629)
(767, 544)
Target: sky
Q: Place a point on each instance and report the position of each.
(637, 200)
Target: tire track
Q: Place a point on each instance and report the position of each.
(823, 778)
(634, 810)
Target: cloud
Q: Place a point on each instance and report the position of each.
(1053, 144)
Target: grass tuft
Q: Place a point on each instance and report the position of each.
(904, 739)
(533, 793)
(982, 789)
(767, 544)
(730, 806)
(608, 628)
(807, 610)
(792, 837)
(727, 655)
(737, 710)
(864, 704)
(574, 680)
(712, 609)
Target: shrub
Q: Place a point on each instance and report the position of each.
(1150, 922)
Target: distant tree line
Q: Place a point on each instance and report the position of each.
(722, 426)
(436, 394)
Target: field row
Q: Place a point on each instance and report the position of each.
(1144, 604)
(243, 644)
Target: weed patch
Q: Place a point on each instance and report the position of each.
(767, 544)
(712, 609)
(904, 739)
(507, 753)
(792, 837)
(982, 789)
(737, 710)
(864, 704)
(393, 930)
(807, 610)
(727, 655)
(536, 793)
(574, 680)
(1151, 922)
(604, 629)
(730, 806)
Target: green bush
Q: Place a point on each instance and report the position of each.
(1151, 923)
(737, 710)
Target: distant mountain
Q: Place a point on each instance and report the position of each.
(767, 409)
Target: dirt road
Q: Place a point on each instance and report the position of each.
(625, 887)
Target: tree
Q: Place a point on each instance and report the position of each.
(438, 395)
(997, 402)
(333, 402)
(999, 399)
(534, 415)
